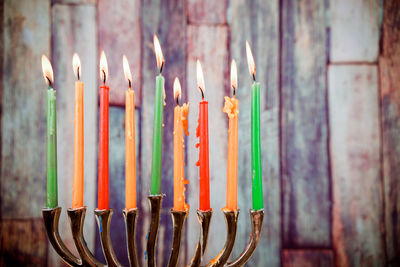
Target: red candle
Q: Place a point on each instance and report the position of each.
(102, 202)
(202, 133)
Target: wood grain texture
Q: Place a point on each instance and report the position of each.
(119, 34)
(307, 258)
(74, 30)
(208, 12)
(389, 67)
(26, 38)
(354, 28)
(358, 227)
(258, 22)
(208, 44)
(23, 242)
(167, 19)
(117, 184)
(304, 130)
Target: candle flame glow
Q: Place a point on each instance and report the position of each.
(127, 70)
(233, 75)
(47, 70)
(159, 53)
(103, 67)
(76, 65)
(177, 89)
(200, 79)
(250, 61)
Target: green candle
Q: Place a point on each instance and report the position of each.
(155, 188)
(52, 196)
(156, 160)
(256, 171)
(256, 148)
(51, 136)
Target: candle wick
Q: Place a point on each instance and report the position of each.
(177, 100)
(49, 82)
(161, 67)
(254, 76)
(130, 83)
(104, 76)
(234, 90)
(79, 77)
(202, 93)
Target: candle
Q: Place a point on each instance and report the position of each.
(256, 177)
(180, 125)
(77, 189)
(51, 136)
(155, 187)
(130, 153)
(231, 108)
(202, 133)
(103, 200)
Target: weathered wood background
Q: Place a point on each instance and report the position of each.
(330, 117)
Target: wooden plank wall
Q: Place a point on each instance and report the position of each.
(389, 68)
(329, 74)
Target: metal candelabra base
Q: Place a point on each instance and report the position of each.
(86, 258)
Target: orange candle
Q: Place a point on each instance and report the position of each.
(77, 190)
(231, 108)
(180, 125)
(130, 153)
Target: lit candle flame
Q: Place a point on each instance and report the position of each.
(250, 61)
(177, 90)
(127, 70)
(103, 67)
(76, 65)
(159, 53)
(200, 79)
(47, 70)
(233, 76)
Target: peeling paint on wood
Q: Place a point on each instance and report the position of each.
(119, 32)
(389, 66)
(358, 227)
(207, 12)
(23, 242)
(26, 38)
(304, 127)
(307, 258)
(74, 2)
(354, 29)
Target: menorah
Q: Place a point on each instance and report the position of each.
(103, 217)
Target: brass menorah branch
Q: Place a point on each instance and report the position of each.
(103, 217)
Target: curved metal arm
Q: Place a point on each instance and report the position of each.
(155, 211)
(51, 218)
(256, 217)
(103, 218)
(178, 220)
(231, 218)
(77, 218)
(204, 218)
(130, 223)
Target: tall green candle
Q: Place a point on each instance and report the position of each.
(51, 164)
(256, 171)
(155, 186)
(256, 148)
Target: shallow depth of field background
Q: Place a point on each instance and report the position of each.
(330, 82)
